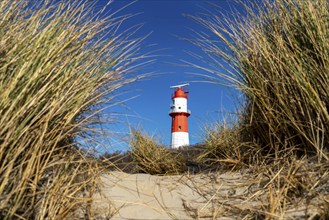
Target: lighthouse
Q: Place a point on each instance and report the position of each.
(179, 114)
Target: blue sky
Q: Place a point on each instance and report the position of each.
(149, 109)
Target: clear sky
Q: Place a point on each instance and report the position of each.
(166, 22)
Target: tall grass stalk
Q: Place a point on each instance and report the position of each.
(277, 53)
(58, 60)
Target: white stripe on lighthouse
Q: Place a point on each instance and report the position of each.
(179, 139)
(179, 105)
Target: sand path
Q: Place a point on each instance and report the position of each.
(211, 196)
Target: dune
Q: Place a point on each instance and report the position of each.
(231, 195)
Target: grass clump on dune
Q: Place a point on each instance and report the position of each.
(277, 53)
(149, 157)
(223, 147)
(59, 61)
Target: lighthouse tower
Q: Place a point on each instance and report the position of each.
(179, 115)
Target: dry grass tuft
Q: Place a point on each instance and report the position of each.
(324, 210)
(223, 148)
(59, 60)
(149, 157)
(277, 53)
(119, 161)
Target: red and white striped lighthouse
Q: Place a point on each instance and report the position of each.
(179, 114)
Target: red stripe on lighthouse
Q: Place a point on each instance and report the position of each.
(179, 122)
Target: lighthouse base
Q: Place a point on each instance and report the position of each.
(179, 139)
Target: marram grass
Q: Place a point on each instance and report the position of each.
(58, 60)
(152, 158)
(277, 53)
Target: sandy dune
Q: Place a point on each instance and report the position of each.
(204, 196)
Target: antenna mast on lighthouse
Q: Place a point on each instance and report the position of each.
(179, 114)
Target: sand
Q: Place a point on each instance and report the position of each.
(231, 195)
